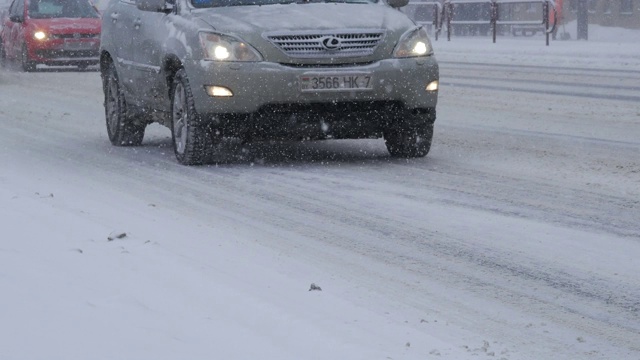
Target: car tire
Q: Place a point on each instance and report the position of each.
(122, 128)
(3, 55)
(411, 139)
(27, 65)
(193, 139)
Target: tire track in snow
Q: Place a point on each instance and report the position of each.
(629, 98)
(328, 212)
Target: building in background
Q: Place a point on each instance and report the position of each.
(614, 13)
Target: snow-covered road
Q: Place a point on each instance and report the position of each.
(517, 237)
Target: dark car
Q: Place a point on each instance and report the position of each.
(4, 9)
(51, 32)
(267, 69)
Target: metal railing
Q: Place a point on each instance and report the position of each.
(444, 14)
(418, 10)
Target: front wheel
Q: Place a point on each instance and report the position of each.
(122, 129)
(193, 140)
(410, 138)
(27, 65)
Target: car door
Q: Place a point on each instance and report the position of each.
(149, 33)
(118, 16)
(14, 30)
(4, 16)
(5, 28)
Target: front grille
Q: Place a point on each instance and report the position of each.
(337, 120)
(339, 108)
(75, 36)
(53, 54)
(323, 66)
(327, 45)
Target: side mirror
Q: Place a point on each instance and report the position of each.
(151, 5)
(16, 18)
(397, 3)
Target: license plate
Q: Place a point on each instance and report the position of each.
(335, 82)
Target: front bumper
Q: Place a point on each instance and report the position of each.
(256, 86)
(61, 52)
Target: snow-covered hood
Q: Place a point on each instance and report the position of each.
(253, 23)
(310, 16)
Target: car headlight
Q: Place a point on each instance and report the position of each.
(226, 48)
(413, 43)
(39, 35)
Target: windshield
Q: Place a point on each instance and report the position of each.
(46, 9)
(218, 3)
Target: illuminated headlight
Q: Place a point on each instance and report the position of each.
(225, 48)
(413, 43)
(433, 86)
(39, 35)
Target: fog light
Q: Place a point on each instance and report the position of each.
(219, 91)
(433, 86)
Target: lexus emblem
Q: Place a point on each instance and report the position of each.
(331, 43)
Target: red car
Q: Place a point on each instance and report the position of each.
(51, 32)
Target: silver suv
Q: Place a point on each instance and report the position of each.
(267, 70)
